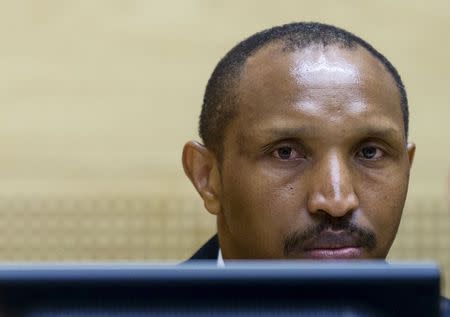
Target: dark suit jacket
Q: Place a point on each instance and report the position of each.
(209, 251)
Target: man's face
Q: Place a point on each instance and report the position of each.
(315, 163)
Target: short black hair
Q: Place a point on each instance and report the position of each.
(219, 102)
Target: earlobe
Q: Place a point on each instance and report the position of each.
(200, 166)
(411, 149)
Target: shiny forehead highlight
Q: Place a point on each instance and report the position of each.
(220, 99)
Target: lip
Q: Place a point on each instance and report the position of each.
(331, 254)
(333, 245)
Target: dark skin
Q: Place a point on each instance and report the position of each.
(316, 162)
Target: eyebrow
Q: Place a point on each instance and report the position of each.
(381, 132)
(286, 132)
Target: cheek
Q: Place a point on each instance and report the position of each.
(268, 190)
(382, 200)
(250, 200)
(259, 206)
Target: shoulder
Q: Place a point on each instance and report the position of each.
(208, 251)
(445, 307)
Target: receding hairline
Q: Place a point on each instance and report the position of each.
(279, 47)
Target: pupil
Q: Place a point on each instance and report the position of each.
(285, 152)
(369, 152)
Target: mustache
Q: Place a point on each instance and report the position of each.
(295, 241)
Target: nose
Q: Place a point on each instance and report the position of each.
(332, 189)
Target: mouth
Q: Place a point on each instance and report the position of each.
(333, 245)
(344, 253)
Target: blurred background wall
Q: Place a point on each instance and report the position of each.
(98, 97)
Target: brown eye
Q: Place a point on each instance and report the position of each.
(370, 153)
(287, 151)
(284, 153)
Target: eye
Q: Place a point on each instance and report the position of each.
(286, 153)
(370, 153)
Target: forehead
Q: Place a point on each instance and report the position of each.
(315, 85)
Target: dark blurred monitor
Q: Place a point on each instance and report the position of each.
(244, 289)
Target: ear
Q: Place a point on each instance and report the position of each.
(411, 149)
(201, 166)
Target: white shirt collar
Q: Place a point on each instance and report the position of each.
(220, 262)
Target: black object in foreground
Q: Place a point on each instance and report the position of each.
(201, 289)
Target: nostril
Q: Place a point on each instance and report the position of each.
(333, 206)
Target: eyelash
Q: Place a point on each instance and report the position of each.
(379, 152)
(297, 149)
